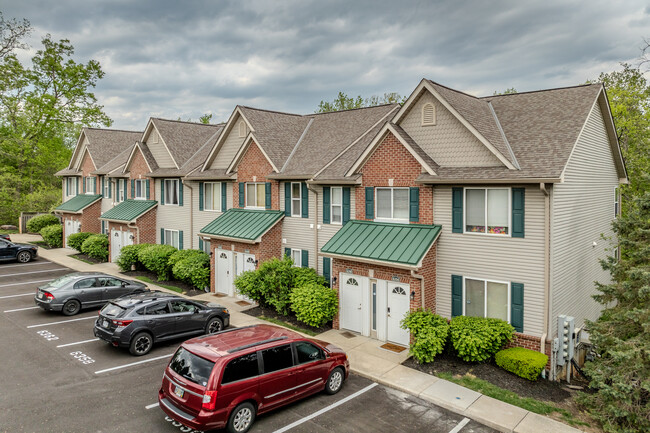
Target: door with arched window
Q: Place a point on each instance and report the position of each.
(397, 307)
(351, 296)
(224, 272)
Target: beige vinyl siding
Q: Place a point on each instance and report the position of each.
(175, 217)
(159, 151)
(203, 218)
(296, 231)
(80, 154)
(107, 203)
(327, 231)
(583, 208)
(229, 148)
(448, 142)
(493, 257)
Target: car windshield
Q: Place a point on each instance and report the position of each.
(62, 281)
(191, 367)
(112, 310)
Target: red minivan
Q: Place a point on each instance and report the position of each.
(226, 379)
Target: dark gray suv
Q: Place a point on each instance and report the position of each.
(139, 321)
(72, 292)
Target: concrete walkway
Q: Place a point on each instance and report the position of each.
(368, 359)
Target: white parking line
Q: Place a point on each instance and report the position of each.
(325, 409)
(78, 342)
(133, 363)
(151, 406)
(33, 272)
(26, 282)
(27, 264)
(460, 425)
(63, 321)
(19, 309)
(15, 296)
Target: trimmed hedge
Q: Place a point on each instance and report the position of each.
(156, 259)
(270, 285)
(52, 235)
(185, 254)
(129, 256)
(75, 240)
(36, 224)
(314, 304)
(477, 339)
(193, 270)
(524, 363)
(430, 332)
(96, 246)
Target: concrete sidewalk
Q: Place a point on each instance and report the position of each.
(368, 359)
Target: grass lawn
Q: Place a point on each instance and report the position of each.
(81, 259)
(149, 280)
(8, 232)
(288, 325)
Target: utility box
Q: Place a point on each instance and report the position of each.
(565, 331)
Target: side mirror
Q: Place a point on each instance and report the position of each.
(124, 284)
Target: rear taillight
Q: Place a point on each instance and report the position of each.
(48, 296)
(122, 323)
(209, 400)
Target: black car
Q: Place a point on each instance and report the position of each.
(138, 321)
(21, 252)
(72, 292)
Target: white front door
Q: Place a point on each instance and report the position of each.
(244, 262)
(397, 307)
(116, 244)
(351, 300)
(224, 277)
(68, 232)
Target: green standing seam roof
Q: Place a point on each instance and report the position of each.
(387, 242)
(243, 223)
(78, 202)
(128, 210)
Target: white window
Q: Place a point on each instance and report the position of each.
(487, 211)
(484, 298)
(296, 199)
(337, 205)
(71, 185)
(90, 185)
(255, 195)
(119, 190)
(206, 245)
(107, 186)
(171, 191)
(296, 256)
(392, 204)
(242, 129)
(617, 202)
(140, 189)
(212, 196)
(171, 238)
(428, 115)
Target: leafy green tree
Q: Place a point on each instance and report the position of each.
(621, 335)
(11, 34)
(205, 118)
(508, 91)
(345, 102)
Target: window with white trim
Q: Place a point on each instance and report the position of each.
(119, 191)
(487, 211)
(172, 238)
(296, 199)
(107, 186)
(617, 202)
(255, 195)
(392, 204)
(171, 191)
(71, 185)
(140, 189)
(485, 298)
(336, 205)
(212, 196)
(90, 184)
(296, 256)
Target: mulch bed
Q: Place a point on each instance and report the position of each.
(541, 389)
(291, 319)
(86, 258)
(186, 289)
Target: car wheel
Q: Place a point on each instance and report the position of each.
(214, 325)
(71, 307)
(241, 419)
(141, 344)
(335, 381)
(24, 257)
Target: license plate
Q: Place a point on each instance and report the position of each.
(40, 296)
(179, 392)
(105, 323)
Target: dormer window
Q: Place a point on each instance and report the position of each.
(428, 115)
(242, 129)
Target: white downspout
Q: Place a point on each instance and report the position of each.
(309, 188)
(191, 213)
(547, 267)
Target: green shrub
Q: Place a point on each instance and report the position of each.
(96, 246)
(477, 339)
(129, 256)
(35, 224)
(314, 304)
(156, 259)
(430, 332)
(186, 254)
(193, 270)
(53, 235)
(249, 284)
(304, 276)
(75, 240)
(524, 363)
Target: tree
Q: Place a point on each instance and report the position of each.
(621, 335)
(42, 110)
(508, 91)
(11, 34)
(345, 102)
(205, 118)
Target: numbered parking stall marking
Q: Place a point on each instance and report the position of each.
(82, 357)
(47, 335)
(180, 426)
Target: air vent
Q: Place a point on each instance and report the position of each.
(242, 129)
(428, 115)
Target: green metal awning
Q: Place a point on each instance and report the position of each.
(397, 244)
(242, 224)
(128, 210)
(78, 203)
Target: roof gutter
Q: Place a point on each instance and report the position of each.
(370, 261)
(227, 238)
(465, 181)
(335, 181)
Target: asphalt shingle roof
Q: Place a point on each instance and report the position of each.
(106, 144)
(184, 139)
(128, 210)
(78, 203)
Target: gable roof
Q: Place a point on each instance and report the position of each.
(115, 163)
(184, 139)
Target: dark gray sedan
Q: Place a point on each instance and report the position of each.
(70, 293)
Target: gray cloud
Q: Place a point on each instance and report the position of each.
(183, 59)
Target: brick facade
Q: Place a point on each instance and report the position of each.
(138, 169)
(89, 219)
(144, 231)
(254, 167)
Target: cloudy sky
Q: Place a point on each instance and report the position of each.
(183, 59)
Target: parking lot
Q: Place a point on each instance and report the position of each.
(57, 377)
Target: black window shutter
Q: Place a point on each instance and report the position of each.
(101, 186)
(305, 258)
(518, 211)
(180, 239)
(147, 190)
(67, 186)
(287, 199)
(414, 204)
(267, 198)
(242, 196)
(200, 244)
(456, 295)
(83, 181)
(201, 185)
(517, 306)
(326, 205)
(305, 200)
(224, 197)
(326, 270)
(132, 188)
(346, 204)
(162, 236)
(162, 191)
(287, 252)
(457, 210)
(180, 192)
(370, 203)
